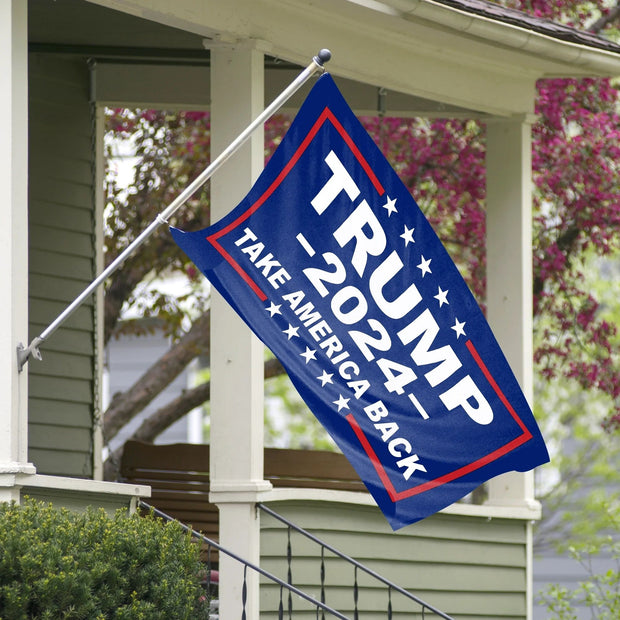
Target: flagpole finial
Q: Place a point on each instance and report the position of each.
(322, 57)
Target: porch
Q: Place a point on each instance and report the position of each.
(467, 561)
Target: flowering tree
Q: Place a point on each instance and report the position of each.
(576, 209)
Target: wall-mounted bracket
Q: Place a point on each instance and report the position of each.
(24, 353)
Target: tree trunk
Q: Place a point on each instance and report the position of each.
(125, 405)
(604, 20)
(167, 415)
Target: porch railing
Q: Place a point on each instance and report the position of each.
(320, 606)
(356, 567)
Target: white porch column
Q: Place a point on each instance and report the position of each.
(13, 243)
(509, 269)
(509, 286)
(236, 354)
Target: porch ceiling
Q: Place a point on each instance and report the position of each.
(135, 54)
(432, 57)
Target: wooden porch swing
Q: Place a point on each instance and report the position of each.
(178, 475)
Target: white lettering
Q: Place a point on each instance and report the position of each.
(412, 465)
(426, 326)
(376, 411)
(279, 277)
(331, 345)
(399, 441)
(306, 314)
(294, 299)
(348, 369)
(359, 387)
(405, 302)
(387, 429)
(354, 299)
(339, 181)
(462, 394)
(248, 235)
(266, 263)
(353, 228)
(365, 341)
(254, 251)
(320, 329)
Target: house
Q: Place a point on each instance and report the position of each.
(62, 60)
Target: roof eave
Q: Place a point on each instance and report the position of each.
(556, 57)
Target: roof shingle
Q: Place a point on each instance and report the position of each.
(520, 19)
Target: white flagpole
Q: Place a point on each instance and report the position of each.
(317, 64)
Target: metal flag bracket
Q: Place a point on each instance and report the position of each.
(317, 65)
(24, 353)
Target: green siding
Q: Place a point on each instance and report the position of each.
(62, 413)
(468, 567)
(66, 242)
(61, 264)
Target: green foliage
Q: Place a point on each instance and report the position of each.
(58, 564)
(288, 421)
(585, 460)
(585, 456)
(559, 601)
(600, 591)
(581, 517)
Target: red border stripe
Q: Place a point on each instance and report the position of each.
(461, 471)
(325, 115)
(372, 455)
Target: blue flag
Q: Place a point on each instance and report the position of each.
(332, 264)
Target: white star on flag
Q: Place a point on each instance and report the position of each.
(458, 328)
(273, 309)
(325, 378)
(390, 206)
(441, 297)
(408, 236)
(291, 332)
(342, 402)
(425, 266)
(309, 354)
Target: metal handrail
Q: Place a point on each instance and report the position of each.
(355, 563)
(234, 556)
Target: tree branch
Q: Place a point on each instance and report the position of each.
(605, 20)
(565, 244)
(117, 294)
(167, 415)
(126, 405)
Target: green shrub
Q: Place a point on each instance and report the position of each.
(58, 564)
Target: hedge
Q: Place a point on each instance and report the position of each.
(56, 564)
